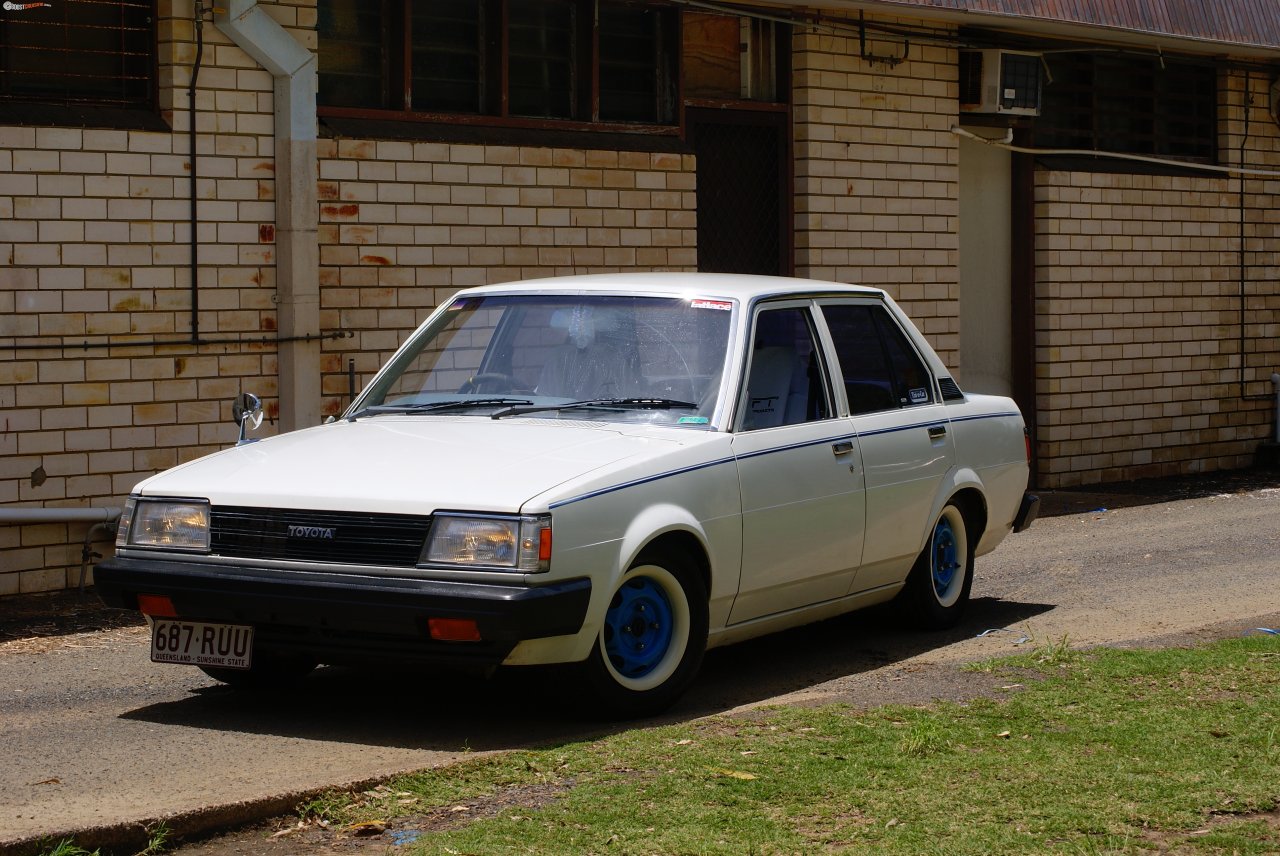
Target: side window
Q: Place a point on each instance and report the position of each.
(785, 382)
(880, 369)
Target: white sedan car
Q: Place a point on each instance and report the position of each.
(615, 471)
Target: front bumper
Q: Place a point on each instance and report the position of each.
(348, 618)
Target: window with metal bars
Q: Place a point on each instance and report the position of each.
(558, 63)
(1137, 105)
(77, 61)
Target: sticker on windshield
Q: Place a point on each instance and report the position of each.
(693, 420)
(723, 305)
(919, 395)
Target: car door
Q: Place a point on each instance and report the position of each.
(799, 471)
(903, 433)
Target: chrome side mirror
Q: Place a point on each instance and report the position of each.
(246, 411)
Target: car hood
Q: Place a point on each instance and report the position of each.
(409, 464)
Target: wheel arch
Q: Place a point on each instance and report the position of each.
(685, 543)
(667, 527)
(963, 489)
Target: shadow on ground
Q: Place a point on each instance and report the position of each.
(413, 708)
(1130, 494)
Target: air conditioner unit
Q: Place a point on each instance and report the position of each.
(1000, 81)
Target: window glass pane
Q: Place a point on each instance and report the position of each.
(551, 349)
(1129, 104)
(78, 51)
(635, 73)
(711, 56)
(542, 61)
(864, 364)
(910, 376)
(353, 66)
(880, 368)
(448, 55)
(785, 385)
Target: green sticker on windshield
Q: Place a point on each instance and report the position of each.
(693, 420)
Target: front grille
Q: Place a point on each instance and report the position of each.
(393, 540)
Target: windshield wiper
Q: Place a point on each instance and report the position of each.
(603, 403)
(435, 406)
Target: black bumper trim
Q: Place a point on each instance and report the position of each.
(1028, 511)
(342, 618)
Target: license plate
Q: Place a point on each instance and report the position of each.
(197, 643)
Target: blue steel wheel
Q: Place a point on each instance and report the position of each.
(947, 557)
(652, 637)
(638, 628)
(937, 589)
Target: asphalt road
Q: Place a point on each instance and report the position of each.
(99, 741)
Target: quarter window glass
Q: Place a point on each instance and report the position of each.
(879, 367)
(785, 384)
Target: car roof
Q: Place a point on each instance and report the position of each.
(744, 287)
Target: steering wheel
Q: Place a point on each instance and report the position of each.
(496, 381)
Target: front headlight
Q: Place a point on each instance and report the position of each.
(504, 543)
(165, 524)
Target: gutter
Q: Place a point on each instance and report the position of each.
(297, 216)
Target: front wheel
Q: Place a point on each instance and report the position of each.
(653, 638)
(937, 589)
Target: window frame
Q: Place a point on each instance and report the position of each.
(80, 109)
(885, 325)
(820, 339)
(495, 105)
(1083, 124)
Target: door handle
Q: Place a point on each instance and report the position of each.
(844, 447)
(937, 432)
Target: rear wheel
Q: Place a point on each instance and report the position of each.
(653, 638)
(937, 589)
(269, 671)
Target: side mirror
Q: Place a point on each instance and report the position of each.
(246, 411)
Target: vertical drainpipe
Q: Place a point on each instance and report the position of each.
(297, 250)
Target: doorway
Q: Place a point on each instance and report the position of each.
(744, 190)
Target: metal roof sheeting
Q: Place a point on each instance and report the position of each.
(1242, 22)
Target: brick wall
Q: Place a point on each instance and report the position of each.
(94, 236)
(405, 225)
(1138, 305)
(94, 225)
(877, 174)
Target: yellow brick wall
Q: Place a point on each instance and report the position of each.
(1137, 277)
(94, 249)
(94, 229)
(877, 173)
(404, 225)
(1138, 303)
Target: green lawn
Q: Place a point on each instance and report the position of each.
(1100, 752)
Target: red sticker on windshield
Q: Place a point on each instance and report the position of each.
(712, 304)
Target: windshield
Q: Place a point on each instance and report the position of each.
(635, 359)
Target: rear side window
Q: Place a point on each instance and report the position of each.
(879, 367)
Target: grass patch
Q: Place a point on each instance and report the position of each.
(1106, 751)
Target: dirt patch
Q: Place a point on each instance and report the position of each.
(62, 613)
(1265, 828)
(288, 837)
(36, 623)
